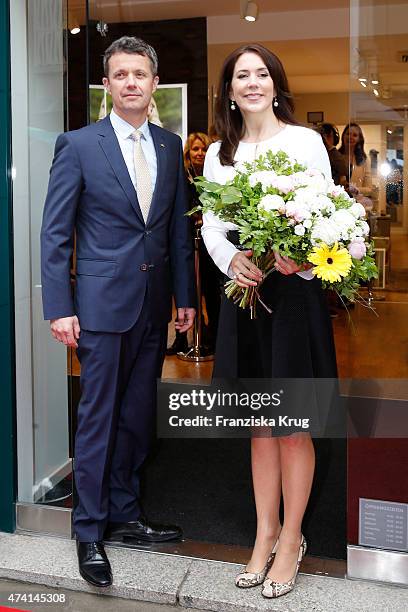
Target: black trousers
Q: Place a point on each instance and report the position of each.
(116, 417)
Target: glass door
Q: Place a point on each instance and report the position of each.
(379, 106)
(40, 40)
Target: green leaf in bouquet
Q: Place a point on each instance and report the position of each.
(208, 200)
(244, 225)
(362, 270)
(341, 202)
(346, 291)
(231, 195)
(202, 184)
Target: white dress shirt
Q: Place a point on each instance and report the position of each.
(302, 144)
(124, 131)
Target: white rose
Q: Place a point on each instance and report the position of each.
(357, 210)
(307, 223)
(317, 181)
(305, 196)
(365, 227)
(264, 177)
(300, 179)
(321, 203)
(283, 183)
(344, 219)
(299, 230)
(325, 230)
(272, 202)
(298, 210)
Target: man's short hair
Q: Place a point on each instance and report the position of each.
(130, 44)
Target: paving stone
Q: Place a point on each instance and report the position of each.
(189, 583)
(210, 586)
(52, 561)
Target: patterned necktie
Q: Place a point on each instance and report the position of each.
(143, 178)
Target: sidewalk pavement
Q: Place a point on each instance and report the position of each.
(75, 601)
(178, 581)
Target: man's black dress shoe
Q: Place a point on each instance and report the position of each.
(142, 531)
(94, 565)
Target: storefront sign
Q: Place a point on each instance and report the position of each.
(383, 524)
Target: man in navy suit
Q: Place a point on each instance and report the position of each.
(119, 185)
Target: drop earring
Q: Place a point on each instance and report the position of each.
(275, 101)
(233, 107)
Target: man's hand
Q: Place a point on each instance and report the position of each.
(66, 330)
(185, 319)
(246, 273)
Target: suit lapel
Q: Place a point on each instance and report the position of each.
(111, 148)
(161, 156)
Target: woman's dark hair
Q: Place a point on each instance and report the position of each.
(359, 152)
(328, 129)
(228, 122)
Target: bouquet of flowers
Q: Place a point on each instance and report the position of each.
(279, 205)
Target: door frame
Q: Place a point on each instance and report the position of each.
(7, 355)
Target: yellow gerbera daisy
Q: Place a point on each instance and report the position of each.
(330, 263)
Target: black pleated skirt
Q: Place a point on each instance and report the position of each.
(294, 341)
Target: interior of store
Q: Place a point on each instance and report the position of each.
(345, 62)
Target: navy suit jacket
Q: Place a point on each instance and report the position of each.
(120, 259)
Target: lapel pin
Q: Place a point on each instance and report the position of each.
(162, 145)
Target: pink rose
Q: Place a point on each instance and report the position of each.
(283, 183)
(297, 210)
(357, 249)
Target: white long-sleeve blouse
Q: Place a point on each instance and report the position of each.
(300, 143)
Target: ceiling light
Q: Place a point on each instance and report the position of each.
(389, 131)
(363, 83)
(375, 82)
(362, 80)
(74, 19)
(251, 12)
(376, 92)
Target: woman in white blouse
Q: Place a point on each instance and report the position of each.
(254, 114)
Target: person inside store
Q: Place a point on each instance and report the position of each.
(119, 184)
(331, 139)
(195, 150)
(254, 114)
(357, 163)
